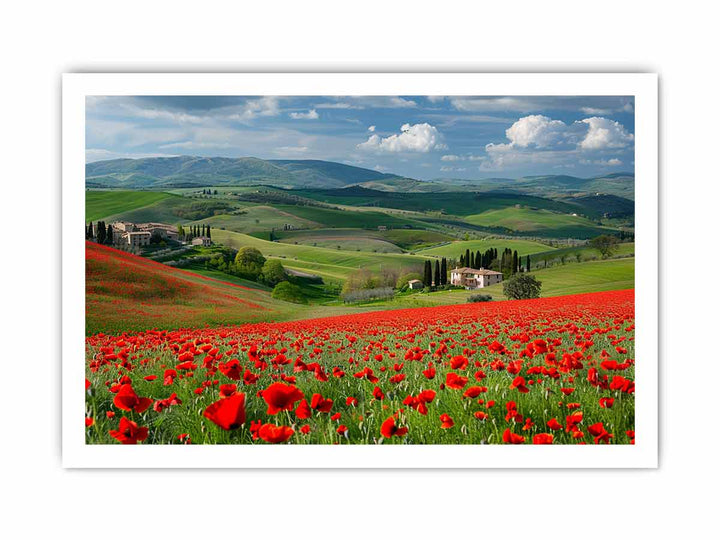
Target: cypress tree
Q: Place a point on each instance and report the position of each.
(109, 235)
(472, 260)
(527, 264)
(467, 258)
(438, 278)
(462, 261)
(89, 233)
(443, 271)
(515, 262)
(478, 260)
(208, 232)
(427, 277)
(101, 232)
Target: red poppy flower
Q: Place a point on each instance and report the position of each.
(458, 362)
(129, 432)
(388, 429)
(281, 397)
(227, 390)
(378, 393)
(567, 391)
(303, 410)
(600, 433)
(429, 373)
(606, 402)
(453, 380)
(89, 421)
(480, 415)
(321, 404)
(447, 421)
(473, 392)
(543, 438)
(275, 434)
(519, 384)
(127, 400)
(341, 429)
(554, 424)
(150, 378)
(305, 429)
(512, 438)
(228, 413)
(351, 401)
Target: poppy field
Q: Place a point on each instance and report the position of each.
(546, 371)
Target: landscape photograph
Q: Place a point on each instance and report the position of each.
(359, 270)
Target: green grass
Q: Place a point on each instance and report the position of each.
(258, 218)
(390, 241)
(570, 254)
(455, 249)
(103, 204)
(538, 222)
(595, 276)
(330, 217)
(333, 264)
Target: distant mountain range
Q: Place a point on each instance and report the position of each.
(192, 171)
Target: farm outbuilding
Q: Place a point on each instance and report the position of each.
(415, 284)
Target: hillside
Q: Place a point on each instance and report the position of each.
(125, 292)
(184, 171)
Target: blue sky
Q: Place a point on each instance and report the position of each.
(425, 137)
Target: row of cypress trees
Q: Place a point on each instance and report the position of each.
(102, 234)
(440, 274)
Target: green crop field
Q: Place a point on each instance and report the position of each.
(390, 241)
(330, 217)
(103, 204)
(455, 249)
(539, 222)
(251, 219)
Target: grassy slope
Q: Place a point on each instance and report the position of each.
(102, 204)
(125, 292)
(455, 249)
(596, 276)
(390, 241)
(333, 264)
(257, 218)
(586, 253)
(539, 222)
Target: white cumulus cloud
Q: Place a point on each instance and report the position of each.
(537, 130)
(603, 133)
(371, 128)
(412, 138)
(450, 157)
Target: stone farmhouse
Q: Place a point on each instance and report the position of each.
(139, 234)
(474, 278)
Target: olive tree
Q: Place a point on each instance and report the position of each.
(522, 286)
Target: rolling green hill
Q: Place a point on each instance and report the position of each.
(102, 204)
(332, 264)
(539, 222)
(455, 249)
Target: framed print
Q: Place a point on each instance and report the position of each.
(412, 270)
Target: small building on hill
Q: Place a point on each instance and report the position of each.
(415, 284)
(136, 238)
(474, 278)
(201, 241)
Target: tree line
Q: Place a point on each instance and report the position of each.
(508, 262)
(194, 231)
(101, 233)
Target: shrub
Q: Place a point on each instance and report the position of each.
(289, 292)
(365, 295)
(273, 273)
(479, 298)
(522, 286)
